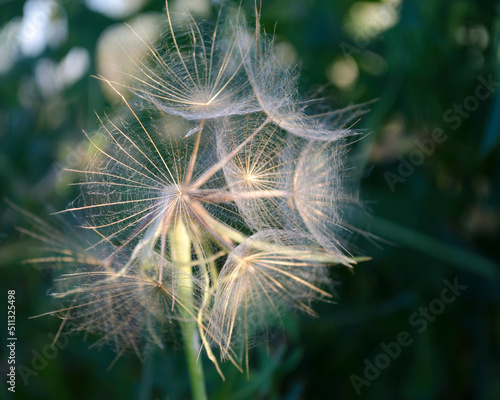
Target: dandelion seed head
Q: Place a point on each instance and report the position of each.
(217, 197)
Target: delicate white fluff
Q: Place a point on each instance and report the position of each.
(219, 197)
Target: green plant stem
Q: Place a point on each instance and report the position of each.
(181, 258)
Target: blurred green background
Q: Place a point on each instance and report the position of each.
(431, 66)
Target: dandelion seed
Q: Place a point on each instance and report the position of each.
(256, 175)
(321, 196)
(124, 304)
(195, 72)
(103, 292)
(267, 273)
(275, 86)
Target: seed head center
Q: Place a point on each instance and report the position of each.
(250, 177)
